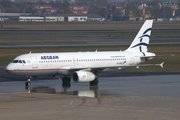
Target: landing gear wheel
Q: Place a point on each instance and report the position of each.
(28, 83)
(66, 85)
(66, 79)
(66, 82)
(94, 83)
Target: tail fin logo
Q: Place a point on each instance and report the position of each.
(141, 43)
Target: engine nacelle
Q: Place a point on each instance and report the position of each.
(83, 76)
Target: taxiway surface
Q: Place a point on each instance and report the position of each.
(112, 83)
(137, 96)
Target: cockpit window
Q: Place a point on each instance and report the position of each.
(23, 61)
(15, 61)
(18, 61)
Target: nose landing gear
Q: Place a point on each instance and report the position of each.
(28, 82)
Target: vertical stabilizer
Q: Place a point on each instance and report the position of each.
(141, 41)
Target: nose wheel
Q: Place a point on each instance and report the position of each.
(28, 82)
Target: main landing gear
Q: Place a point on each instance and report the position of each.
(66, 82)
(94, 83)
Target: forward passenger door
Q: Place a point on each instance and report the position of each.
(34, 62)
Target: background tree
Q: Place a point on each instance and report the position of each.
(6, 3)
(133, 7)
(166, 12)
(56, 4)
(44, 11)
(155, 8)
(65, 6)
(1, 8)
(13, 9)
(178, 10)
(101, 2)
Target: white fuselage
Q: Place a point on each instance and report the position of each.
(37, 64)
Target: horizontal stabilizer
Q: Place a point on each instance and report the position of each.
(161, 65)
(165, 55)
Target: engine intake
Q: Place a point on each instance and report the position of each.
(83, 76)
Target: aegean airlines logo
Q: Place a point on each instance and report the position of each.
(141, 43)
(49, 57)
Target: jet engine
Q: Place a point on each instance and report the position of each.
(83, 76)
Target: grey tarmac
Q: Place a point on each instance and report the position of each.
(128, 96)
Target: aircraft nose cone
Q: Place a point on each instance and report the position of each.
(8, 68)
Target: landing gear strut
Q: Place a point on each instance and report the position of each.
(28, 82)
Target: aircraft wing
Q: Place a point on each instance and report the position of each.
(115, 68)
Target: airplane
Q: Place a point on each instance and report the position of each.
(84, 66)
